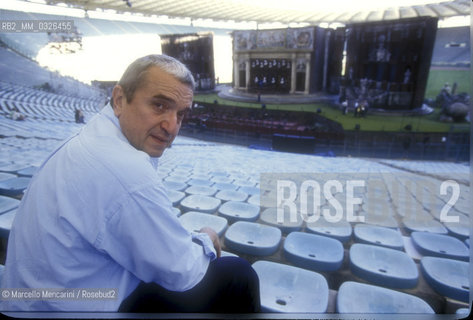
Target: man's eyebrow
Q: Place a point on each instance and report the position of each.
(163, 97)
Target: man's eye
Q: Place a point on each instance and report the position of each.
(159, 106)
(181, 114)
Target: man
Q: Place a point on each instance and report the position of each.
(96, 215)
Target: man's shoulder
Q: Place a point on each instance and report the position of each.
(105, 153)
(122, 161)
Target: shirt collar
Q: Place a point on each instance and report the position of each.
(107, 111)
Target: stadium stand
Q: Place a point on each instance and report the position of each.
(194, 158)
(452, 47)
(30, 44)
(38, 104)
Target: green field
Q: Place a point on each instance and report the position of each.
(438, 78)
(428, 123)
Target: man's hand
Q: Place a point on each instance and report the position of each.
(214, 237)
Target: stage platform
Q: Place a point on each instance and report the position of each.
(227, 92)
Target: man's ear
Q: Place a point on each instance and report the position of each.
(119, 100)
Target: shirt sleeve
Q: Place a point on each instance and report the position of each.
(206, 242)
(145, 237)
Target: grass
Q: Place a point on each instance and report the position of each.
(428, 123)
(438, 78)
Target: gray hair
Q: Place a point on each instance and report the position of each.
(134, 75)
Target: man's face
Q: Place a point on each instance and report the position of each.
(153, 118)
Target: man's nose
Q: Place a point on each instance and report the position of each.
(169, 122)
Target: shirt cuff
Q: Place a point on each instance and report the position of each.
(204, 240)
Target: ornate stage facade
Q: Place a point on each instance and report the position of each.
(377, 65)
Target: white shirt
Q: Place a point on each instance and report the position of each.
(96, 215)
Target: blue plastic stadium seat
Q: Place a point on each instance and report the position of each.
(254, 200)
(6, 221)
(12, 168)
(433, 205)
(244, 183)
(381, 236)
(6, 176)
(219, 173)
(236, 211)
(290, 289)
(14, 187)
(467, 242)
(231, 195)
(383, 266)
(376, 205)
(448, 277)
(224, 186)
(201, 203)
(253, 238)
(460, 229)
(356, 298)
(313, 252)
(7, 204)
(408, 207)
(175, 196)
(239, 175)
(462, 205)
(249, 190)
(202, 190)
(424, 225)
(194, 221)
(176, 178)
(181, 172)
(439, 245)
(27, 172)
(288, 224)
(183, 167)
(382, 220)
(221, 179)
(340, 230)
(173, 185)
(199, 182)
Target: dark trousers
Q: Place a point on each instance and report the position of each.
(229, 286)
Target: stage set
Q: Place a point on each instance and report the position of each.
(195, 50)
(378, 64)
